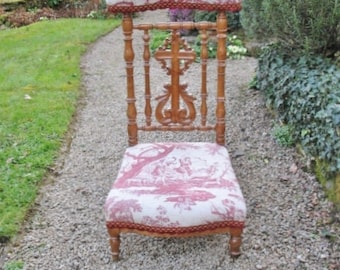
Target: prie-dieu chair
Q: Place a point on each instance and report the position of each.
(175, 189)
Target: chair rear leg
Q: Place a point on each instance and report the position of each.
(235, 242)
(114, 243)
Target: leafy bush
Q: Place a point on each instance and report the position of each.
(54, 3)
(235, 47)
(21, 17)
(307, 26)
(183, 15)
(283, 135)
(66, 5)
(304, 91)
(157, 39)
(211, 46)
(43, 3)
(254, 20)
(210, 16)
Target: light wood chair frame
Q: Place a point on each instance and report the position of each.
(133, 128)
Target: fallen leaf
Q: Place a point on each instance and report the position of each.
(293, 168)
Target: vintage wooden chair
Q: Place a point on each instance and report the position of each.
(175, 189)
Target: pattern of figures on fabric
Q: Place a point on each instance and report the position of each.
(177, 181)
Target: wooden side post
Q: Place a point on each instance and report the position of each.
(221, 65)
(129, 56)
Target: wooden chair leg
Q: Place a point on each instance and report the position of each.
(235, 242)
(114, 243)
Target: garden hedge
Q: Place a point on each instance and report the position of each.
(304, 92)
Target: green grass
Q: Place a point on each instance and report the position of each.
(10, 1)
(14, 265)
(40, 82)
(157, 39)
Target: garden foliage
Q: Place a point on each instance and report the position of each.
(200, 15)
(235, 47)
(301, 26)
(55, 3)
(305, 93)
(210, 16)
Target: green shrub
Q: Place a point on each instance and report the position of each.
(211, 46)
(254, 20)
(68, 4)
(302, 26)
(210, 16)
(304, 91)
(283, 135)
(235, 47)
(157, 39)
(201, 15)
(54, 3)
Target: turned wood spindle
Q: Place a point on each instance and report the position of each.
(146, 56)
(221, 65)
(204, 93)
(129, 56)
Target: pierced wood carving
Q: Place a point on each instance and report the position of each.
(183, 116)
(175, 57)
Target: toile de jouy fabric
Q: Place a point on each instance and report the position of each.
(175, 187)
(128, 6)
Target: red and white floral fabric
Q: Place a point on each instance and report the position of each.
(128, 6)
(175, 188)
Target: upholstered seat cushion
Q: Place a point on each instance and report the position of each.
(127, 6)
(175, 188)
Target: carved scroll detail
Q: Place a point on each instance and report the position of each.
(183, 116)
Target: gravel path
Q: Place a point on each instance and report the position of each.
(290, 224)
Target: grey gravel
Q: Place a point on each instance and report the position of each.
(290, 223)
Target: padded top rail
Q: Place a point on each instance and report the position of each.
(130, 6)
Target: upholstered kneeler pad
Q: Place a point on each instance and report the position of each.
(127, 6)
(175, 188)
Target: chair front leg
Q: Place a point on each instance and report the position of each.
(114, 243)
(235, 242)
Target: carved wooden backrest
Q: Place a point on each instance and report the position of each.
(176, 109)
